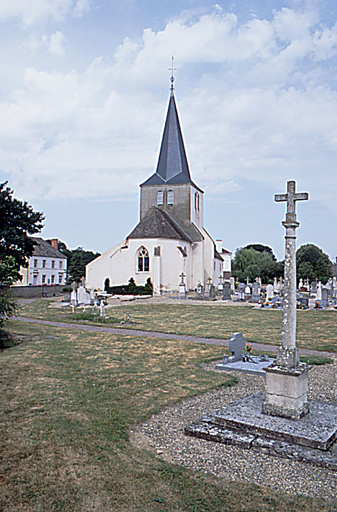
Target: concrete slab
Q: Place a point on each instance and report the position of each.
(311, 439)
(256, 368)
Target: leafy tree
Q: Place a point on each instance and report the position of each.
(252, 263)
(262, 248)
(313, 263)
(9, 274)
(18, 221)
(77, 261)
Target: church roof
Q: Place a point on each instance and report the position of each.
(158, 224)
(172, 167)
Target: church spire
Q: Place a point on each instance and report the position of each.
(172, 167)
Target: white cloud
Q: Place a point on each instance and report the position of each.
(257, 113)
(56, 43)
(32, 10)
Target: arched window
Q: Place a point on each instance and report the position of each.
(143, 260)
(160, 197)
(170, 197)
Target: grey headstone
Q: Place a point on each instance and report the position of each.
(226, 294)
(211, 291)
(236, 345)
(241, 291)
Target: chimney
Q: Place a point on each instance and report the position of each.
(218, 244)
(55, 243)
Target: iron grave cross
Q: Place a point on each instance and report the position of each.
(288, 354)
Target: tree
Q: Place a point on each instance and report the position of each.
(8, 275)
(77, 261)
(252, 263)
(313, 263)
(18, 221)
(262, 248)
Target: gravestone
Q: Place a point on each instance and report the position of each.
(303, 303)
(220, 284)
(256, 293)
(182, 286)
(269, 291)
(276, 285)
(248, 292)
(236, 345)
(241, 291)
(211, 291)
(73, 297)
(232, 282)
(313, 288)
(200, 289)
(325, 299)
(226, 294)
(319, 291)
(83, 297)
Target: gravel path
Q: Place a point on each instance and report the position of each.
(164, 435)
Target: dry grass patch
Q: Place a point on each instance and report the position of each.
(68, 401)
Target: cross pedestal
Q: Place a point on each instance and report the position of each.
(287, 378)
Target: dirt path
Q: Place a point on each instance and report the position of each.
(160, 335)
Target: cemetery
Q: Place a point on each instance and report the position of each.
(141, 401)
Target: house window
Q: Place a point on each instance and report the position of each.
(35, 263)
(52, 263)
(52, 279)
(43, 279)
(143, 260)
(44, 263)
(60, 264)
(60, 278)
(170, 197)
(160, 197)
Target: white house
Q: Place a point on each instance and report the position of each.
(46, 266)
(170, 238)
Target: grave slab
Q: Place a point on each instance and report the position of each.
(311, 439)
(251, 368)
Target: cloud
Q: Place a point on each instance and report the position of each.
(259, 110)
(56, 43)
(33, 10)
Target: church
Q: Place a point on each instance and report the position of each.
(170, 239)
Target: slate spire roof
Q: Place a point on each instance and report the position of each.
(158, 224)
(172, 167)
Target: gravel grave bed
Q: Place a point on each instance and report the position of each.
(164, 435)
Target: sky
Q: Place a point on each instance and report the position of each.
(84, 93)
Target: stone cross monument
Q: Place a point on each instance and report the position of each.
(287, 378)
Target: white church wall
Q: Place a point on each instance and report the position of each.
(121, 262)
(197, 266)
(209, 269)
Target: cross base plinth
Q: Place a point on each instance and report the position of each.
(286, 391)
(288, 357)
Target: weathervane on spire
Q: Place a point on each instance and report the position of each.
(172, 77)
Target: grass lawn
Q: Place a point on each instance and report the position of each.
(315, 329)
(69, 399)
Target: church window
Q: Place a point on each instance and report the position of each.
(170, 197)
(197, 201)
(160, 197)
(143, 260)
(157, 251)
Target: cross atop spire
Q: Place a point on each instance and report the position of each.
(172, 79)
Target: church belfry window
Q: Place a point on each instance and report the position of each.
(170, 197)
(143, 260)
(160, 197)
(197, 201)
